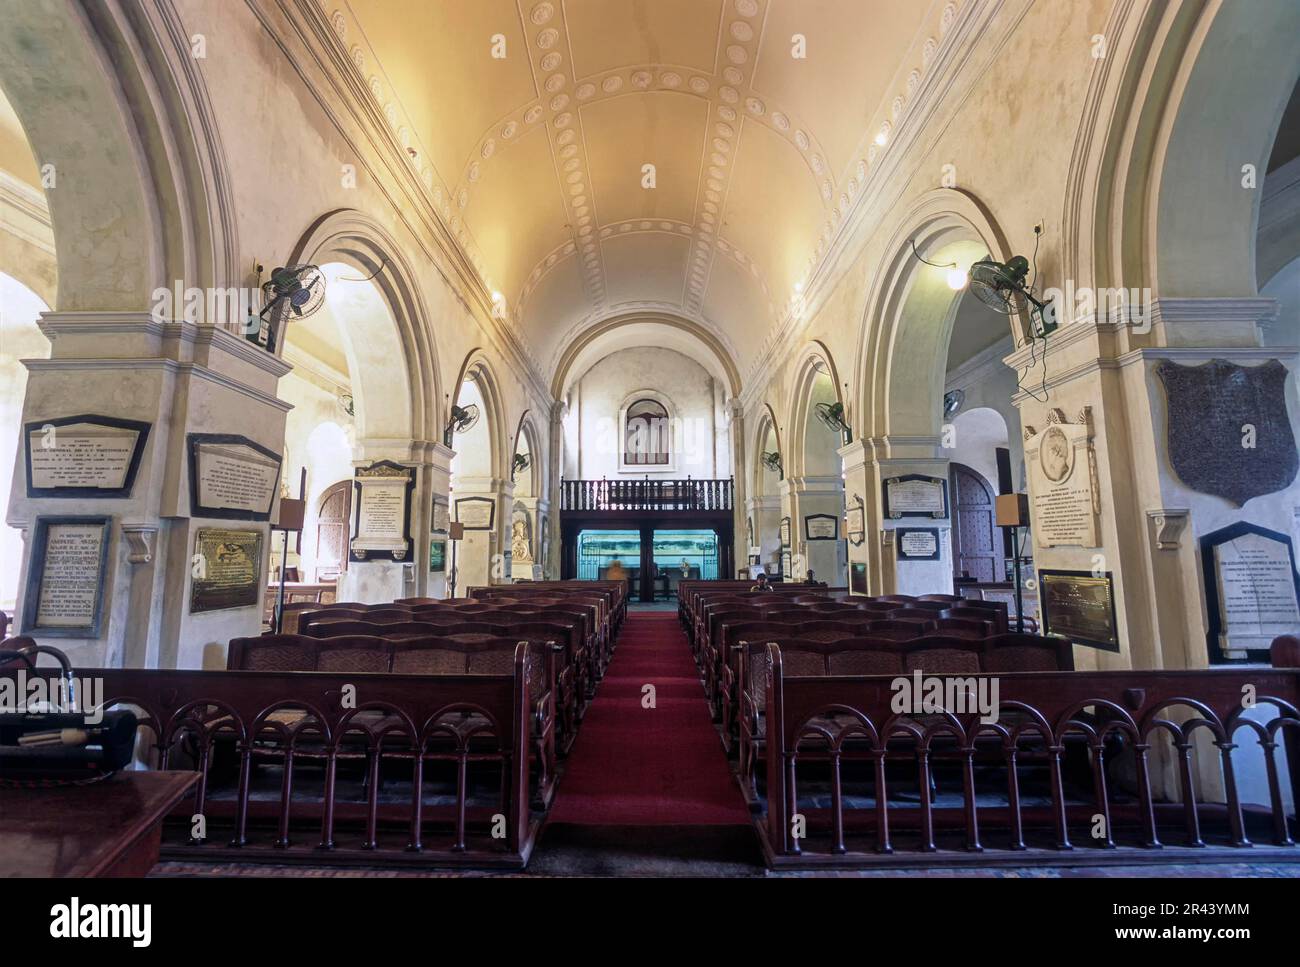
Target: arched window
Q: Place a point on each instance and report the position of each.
(646, 435)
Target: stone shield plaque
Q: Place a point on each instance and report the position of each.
(1228, 431)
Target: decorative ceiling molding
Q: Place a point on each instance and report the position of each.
(310, 21)
(961, 30)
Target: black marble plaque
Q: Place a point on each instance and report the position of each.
(1252, 591)
(918, 544)
(1228, 432)
(821, 527)
(83, 456)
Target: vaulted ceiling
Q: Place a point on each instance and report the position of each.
(538, 158)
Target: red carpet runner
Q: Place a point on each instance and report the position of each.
(661, 766)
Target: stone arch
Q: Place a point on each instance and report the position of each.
(477, 368)
(690, 337)
(767, 424)
(400, 348)
(113, 101)
(815, 359)
(1185, 102)
(910, 312)
(526, 433)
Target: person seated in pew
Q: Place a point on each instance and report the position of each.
(616, 571)
(764, 584)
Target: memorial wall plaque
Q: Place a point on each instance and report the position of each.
(917, 543)
(476, 513)
(785, 531)
(83, 456)
(231, 477)
(915, 495)
(383, 511)
(65, 584)
(227, 565)
(787, 567)
(821, 527)
(1063, 492)
(1210, 407)
(855, 521)
(1252, 591)
(441, 515)
(1080, 606)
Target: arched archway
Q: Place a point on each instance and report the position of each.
(904, 365)
(910, 316)
(388, 339)
(763, 507)
(142, 197)
(814, 486)
(480, 479)
(528, 517)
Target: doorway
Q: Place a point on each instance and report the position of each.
(976, 551)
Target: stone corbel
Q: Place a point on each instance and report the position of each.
(139, 540)
(1169, 523)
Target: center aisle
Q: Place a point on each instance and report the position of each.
(659, 766)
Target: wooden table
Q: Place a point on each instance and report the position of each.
(111, 828)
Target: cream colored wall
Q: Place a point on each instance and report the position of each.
(701, 444)
(306, 147)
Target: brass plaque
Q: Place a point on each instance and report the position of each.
(1080, 606)
(225, 569)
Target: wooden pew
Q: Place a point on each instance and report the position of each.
(837, 731)
(291, 771)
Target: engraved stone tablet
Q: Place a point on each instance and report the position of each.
(383, 510)
(231, 477)
(821, 527)
(915, 495)
(66, 586)
(1251, 588)
(83, 456)
(476, 513)
(918, 544)
(1062, 481)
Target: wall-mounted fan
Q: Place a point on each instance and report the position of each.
(462, 418)
(293, 292)
(952, 402)
(772, 460)
(1003, 286)
(832, 414)
(522, 461)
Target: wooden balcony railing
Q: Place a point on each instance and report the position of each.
(663, 495)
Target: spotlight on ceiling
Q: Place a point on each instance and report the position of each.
(957, 279)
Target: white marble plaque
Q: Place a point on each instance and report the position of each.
(921, 497)
(1256, 590)
(234, 477)
(1062, 482)
(71, 578)
(381, 514)
(918, 543)
(81, 455)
